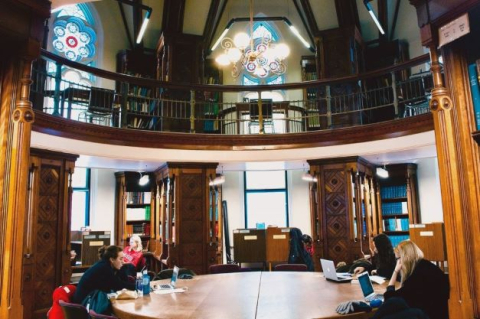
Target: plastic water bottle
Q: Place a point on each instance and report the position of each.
(139, 284)
(146, 283)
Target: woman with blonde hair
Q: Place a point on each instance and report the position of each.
(134, 254)
(423, 285)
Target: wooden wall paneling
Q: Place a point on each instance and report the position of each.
(120, 210)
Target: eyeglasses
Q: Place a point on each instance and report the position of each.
(397, 258)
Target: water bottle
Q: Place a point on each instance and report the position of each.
(146, 283)
(139, 284)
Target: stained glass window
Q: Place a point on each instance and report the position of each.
(74, 38)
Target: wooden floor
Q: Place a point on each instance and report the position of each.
(247, 295)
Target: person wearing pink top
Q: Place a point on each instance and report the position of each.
(133, 255)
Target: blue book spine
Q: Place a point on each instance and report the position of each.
(473, 76)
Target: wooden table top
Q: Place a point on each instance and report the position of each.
(246, 295)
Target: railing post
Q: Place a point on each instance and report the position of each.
(192, 111)
(56, 95)
(124, 87)
(329, 106)
(395, 97)
(260, 114)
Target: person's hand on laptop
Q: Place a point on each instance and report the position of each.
(374, 272)
(358, 270)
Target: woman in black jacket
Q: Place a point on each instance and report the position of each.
(423, 284)
(383, 258)
(104, 275)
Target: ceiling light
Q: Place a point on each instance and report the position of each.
(309, 178)
(382, 172)
(220, 179)
(372, 14)
(144, 179)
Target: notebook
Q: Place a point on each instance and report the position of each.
(173, 282)
(330, 273)
(367, 287)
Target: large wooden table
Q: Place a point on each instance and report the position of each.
(246, 295)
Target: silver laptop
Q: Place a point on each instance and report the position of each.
(367, 287)
(330, 273)
(173, 282)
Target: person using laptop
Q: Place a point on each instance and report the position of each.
(383, 258)
(423, 285)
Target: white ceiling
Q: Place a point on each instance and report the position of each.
(95, 155)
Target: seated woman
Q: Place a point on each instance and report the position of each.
(104, 275)
(133, 254)
(423, 284)
(383, 260)
(308, 244)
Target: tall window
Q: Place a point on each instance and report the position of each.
(74, 37)
(266, 198)
(80, 198)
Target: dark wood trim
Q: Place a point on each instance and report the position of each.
(233, 88)
(210, 24)
(476, 137)
(307, 10)
(56, 126)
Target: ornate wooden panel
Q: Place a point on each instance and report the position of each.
(336, 215)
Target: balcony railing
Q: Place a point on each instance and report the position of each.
(81, 93)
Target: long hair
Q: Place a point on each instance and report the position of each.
(411, 255)
(138, 240)
(386, 255)
(105, 253)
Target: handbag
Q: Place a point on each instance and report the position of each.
(98, 301)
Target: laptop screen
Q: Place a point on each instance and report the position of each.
(365, 284)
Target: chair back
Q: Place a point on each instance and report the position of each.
(223, 269)
(101, 100)
(73, 310)
(291, 267)
(266, 109)
(95, 315)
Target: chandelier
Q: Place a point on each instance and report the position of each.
(258, 55)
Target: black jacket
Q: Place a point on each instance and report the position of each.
(427, 288)
(101, 276)
(297, 253)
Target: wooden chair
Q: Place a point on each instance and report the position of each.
(291, 267)
(73, 310)
(95, 315)
(224, 268)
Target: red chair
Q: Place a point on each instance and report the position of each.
(64, 293)
(73, 310)
(95, 315)
(291, 267)
(223, 269)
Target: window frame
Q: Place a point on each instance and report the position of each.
(86, 190)
(265, 190)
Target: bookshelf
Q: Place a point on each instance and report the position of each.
(311, 95)
(135, 210)
(212, 100)
(398, 202)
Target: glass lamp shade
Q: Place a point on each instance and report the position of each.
(282, 51)
(223, 59)
(241, 40)
(234, 54)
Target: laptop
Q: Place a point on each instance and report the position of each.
(173, 282)
(330, 273)
(367, 287)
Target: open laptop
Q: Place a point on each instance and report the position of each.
(330, 273)
(367, 287)
(173, 282)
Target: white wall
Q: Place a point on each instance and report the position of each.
(102, 200)
(298, 202)
(429, 190)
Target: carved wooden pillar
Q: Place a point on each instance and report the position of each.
(455, 197)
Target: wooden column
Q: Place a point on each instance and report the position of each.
(455, 195)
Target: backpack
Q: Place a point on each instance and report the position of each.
(98, 301)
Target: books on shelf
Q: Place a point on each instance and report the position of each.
(136, 198)
(389, 192)
(396, 239)
(396, 224)
(142, 229)
(134, 214)
(396, 208)
(473, 75)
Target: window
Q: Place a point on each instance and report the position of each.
(80, 198)
(266, 198)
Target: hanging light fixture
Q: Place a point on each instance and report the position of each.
(218, 180)
(307, 177)
(382, 172)
(256, 54)
(144, 179)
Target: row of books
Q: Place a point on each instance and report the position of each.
(138, 229)
(393, 191)
(474, 76)
(142, 213)
(144, 106)
(396, 239)
(139, 197)
(143, 123)
(394, 208)
(396, 224)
